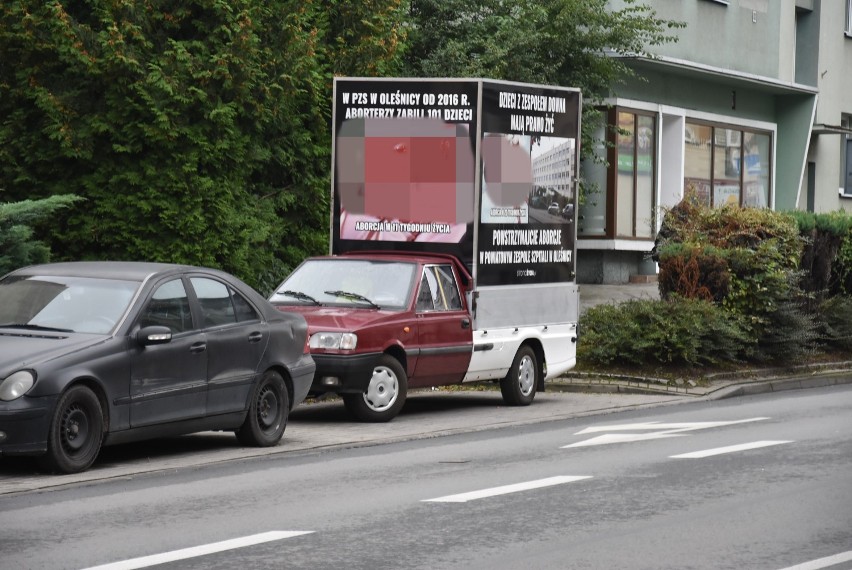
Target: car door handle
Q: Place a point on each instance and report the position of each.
(465, 323)
(198, 347)
(255, 337)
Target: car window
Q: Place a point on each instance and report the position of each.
(168, 307)
(438, 290)
(215, 300)
(244, 310)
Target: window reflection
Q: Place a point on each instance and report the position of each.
(726, 166)
(634, 192)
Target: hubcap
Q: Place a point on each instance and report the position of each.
(75, 428)
(383, 389)
(526, 375)
(267, 408)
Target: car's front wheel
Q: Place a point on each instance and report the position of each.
(268, 412)
(76, 432)
(385, 394)
(519, 385)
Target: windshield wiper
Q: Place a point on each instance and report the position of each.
(353, 297)
(33, 327)
(301, 296)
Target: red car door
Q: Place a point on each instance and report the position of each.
(444, 332)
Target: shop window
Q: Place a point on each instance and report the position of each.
(725, 165)
(632, 180)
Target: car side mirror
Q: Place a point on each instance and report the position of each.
(148, 336)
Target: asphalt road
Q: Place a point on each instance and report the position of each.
(756, 482)
(326, 426)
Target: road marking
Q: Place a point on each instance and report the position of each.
(728, 449)
(663, 431)
(823, 562)
(202, 550)
(675, 425)
(506, 489)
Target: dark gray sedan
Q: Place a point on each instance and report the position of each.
(98, 353)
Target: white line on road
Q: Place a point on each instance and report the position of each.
(202, 550)
(823, 562)
(683, 426)
(728, 449)
(663, 431)
(506, 489)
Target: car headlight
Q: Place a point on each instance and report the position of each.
(16, 385)
(334, 340)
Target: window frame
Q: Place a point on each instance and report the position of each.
(425, 284)
(612, 171)
(846, 160)
(741, 132)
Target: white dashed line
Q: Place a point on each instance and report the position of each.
(506, 489)
(728, 449)
(202, 550)
(823, 562)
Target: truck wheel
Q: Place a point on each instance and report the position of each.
(385, 395)
(76, 432)
(518, 387)
(267, 414)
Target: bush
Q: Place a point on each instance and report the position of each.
(824, 236)
(694, 272)
(677, 331)
(840, 282)
(835, 323)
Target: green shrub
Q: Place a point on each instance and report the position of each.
(824, 235)
(835, 323)
(840, 282)
(677, 331)
(693, 271)
(789, 334)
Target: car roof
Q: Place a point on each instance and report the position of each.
(127, 270)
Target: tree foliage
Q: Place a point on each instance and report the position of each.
(556, 42)
(198, 130)
(17, 245)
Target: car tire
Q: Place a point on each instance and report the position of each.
(519, 385)
(267, 414)
(76, 432)
(385, 394)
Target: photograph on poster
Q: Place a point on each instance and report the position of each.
(404, 180)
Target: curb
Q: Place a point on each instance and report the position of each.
(716, 390)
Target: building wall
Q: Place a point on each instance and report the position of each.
(834, 79)
(742, 35)
(780, 66)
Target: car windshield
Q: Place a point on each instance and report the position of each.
(67, 304)
(358, 282)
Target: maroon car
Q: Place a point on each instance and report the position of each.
(380, 323)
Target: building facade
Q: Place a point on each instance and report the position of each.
(751, 106)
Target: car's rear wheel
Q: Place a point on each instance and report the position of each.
(385, 394)
(519, 385)
(76, 432)
(268, 412)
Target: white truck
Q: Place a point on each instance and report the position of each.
(449, 261)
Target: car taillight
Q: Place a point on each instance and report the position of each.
(307, 348)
